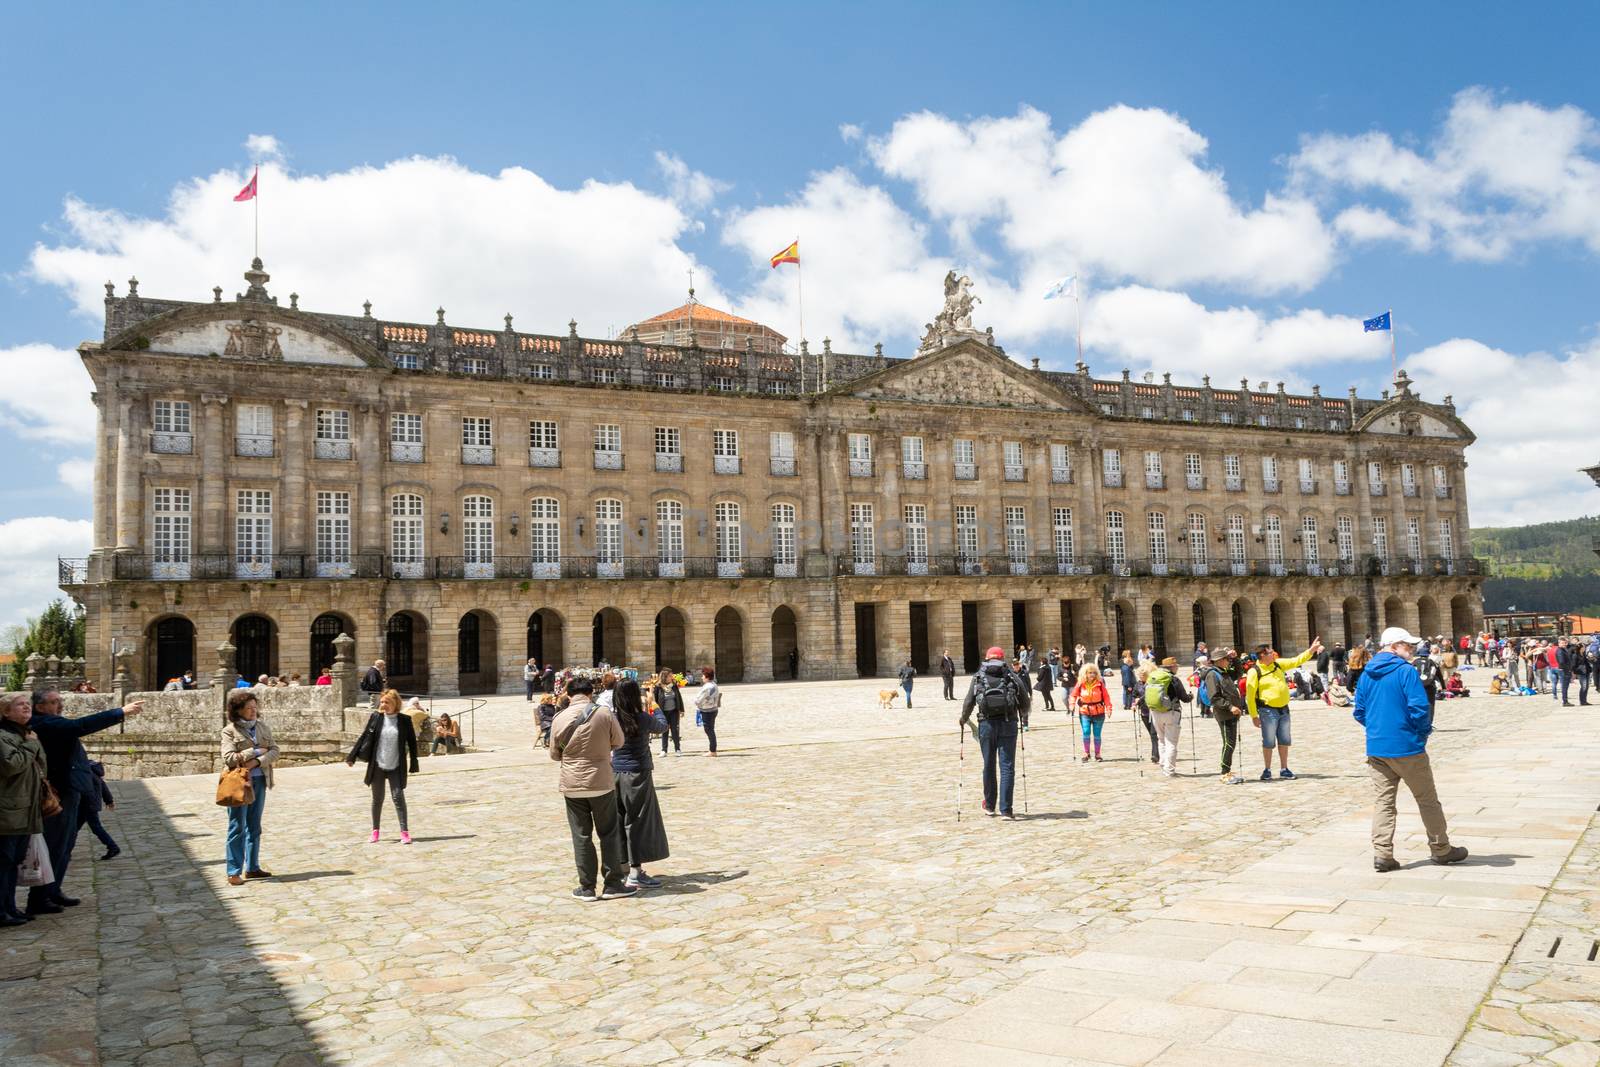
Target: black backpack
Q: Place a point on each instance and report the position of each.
(997, 697)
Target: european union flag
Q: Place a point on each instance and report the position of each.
(1379, 323)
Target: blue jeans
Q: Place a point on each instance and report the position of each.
(244, 832)
(1564, 683)
(1274, 726)
(997, 739)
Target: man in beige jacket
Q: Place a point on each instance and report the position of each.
(582, 738)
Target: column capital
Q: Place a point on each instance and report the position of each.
(296, 402)
(213, 398)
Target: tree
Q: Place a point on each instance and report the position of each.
(59, 632)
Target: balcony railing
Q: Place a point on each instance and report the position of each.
(478, 455)
(1376, 488)
(1015, 472)
(72, 571)
(1234, 483)
(1308, 486)
(544, 457)
(199, 566)
(669, 462)
(1113, 479)
(861, 468)
(172, 444)
(607, 460)
(1061, 475)
(330, 448)
(966, 472)
(782, 467)
(1408, 489)
(914, 470)
(1442, 492)
(405, 451)
(1154, 481)
(1269, 485)
(1341, 488)
(1194, 481)
(725, 464)
(251, 444)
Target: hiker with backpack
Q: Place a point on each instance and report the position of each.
(1266, 695)
(1218, 692)
(1164, 696)
(1091, 701)
(1000, 699)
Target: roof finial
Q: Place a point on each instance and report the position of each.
(133, 287)
(216, 294)
(258, 278)
(440, 313)
(366, 309)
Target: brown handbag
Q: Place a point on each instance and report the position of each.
(234, 789)
(49, 801)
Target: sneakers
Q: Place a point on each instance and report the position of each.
(1266, 775)
(1010, 815)
(112, 853)
(1097, 758)
(1086, 757)
(405, 837)
(373, 840)
(1286, 773)
(624, 890)
(1455, 855)
(582, 893)
(1385, 864)
(1235, 780)
(642, 880)
(990, 812)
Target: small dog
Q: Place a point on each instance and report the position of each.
(886, 698)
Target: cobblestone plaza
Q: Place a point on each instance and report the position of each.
(846, 916)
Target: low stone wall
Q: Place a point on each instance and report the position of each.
(179, 732)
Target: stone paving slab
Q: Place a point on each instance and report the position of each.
(1394, 967)
(822, 906)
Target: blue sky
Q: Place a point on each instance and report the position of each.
(1235, 184)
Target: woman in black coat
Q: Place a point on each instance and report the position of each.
(669, 701)
(388, 744)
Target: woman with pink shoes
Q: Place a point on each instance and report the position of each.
(388, 744)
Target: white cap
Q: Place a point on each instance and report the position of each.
(1395, 634)
(1202, 659)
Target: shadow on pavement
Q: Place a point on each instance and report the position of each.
(699, 882)
(306, 876)
(1046, 816)
(1492, 859)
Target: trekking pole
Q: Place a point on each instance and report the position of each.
(1023, 737)
(1138, 740)
(1193, 758)
(961, 770)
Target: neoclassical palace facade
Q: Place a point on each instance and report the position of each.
(459, 499)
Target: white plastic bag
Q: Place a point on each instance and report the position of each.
(35, 869)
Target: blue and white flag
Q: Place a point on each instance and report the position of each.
(1379, 323)
(1065, 287)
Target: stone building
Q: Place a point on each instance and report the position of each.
(458, 499)
(695, 325)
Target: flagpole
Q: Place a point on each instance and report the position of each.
(257, 205)
(800, 302)
(1394, 366)
(1077, 302)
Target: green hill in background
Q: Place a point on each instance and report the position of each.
(1549, 566)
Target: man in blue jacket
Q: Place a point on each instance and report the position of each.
(69, 772)
(1391, 703)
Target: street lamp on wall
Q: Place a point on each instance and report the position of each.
(516, 521)
(444, 522)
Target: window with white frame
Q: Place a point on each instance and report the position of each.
(542, 434)
(1269, 473)
(1016, 520)
(253, 430)
(542, 371)
(1199, 546)
(669, 441)
(1187, 415)
(252, 531)
(725, 443)
(863, 538)
(663, 379)
(1012, 452)
(1308, 475)
(1193, 471)
(333, 530)
(784, 549)
(1061, 527)
(1157, 523)
(1447, 539)
(406, 534)
(966, 516)
(405, 437)
(1225, 417)
(1236, 545)
(912, 458)
(729, 532)
(916, 523)
(1341, 476)
(1375, 477)
(1408, 478)
(964, 457)
(171, 532)
(474, 365)
(1116, 539)
(1111, 464)
(1274, 535)
(172, 416)
(860, 449)
(669, 531)
(607, 437)
(1060, 463)
(544, 529)
(1380, 537)
(1441, 478)
(608, 531)
(1152, 470)
(780, 447)
(477, 439)
(1414, 538)
(1309, 546)
(333, 424)
(477, 534)
(604, 375)
(1232, 472)
(1344, 532)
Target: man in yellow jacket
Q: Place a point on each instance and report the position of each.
(1266, 694)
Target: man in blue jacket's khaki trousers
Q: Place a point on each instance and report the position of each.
(1391, 703)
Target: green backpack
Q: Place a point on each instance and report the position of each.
(1155, 690)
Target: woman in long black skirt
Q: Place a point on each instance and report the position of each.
(642, 828)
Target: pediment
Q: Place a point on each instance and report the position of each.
(1409, 417)
(970, 374)
(248, 330)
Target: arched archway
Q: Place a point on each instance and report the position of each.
(477, 641)
(169, 650)
(255, 640)
(324, 628)
(1278, 622)
(1428, 617)
(1163, 628)
(1318, 624)
(785, 643)
(1122, 619)
(1393, 612)
(1203, 621)
(405, 651)
(1240, 620)
(672, 641)
(547, 638)
(609, 638)
(1463, 620)
(729, 649)
(1353, 625)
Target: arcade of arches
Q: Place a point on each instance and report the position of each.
(842, 628)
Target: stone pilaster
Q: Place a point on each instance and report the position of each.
(296, 500)
(213, 473)
(130, 495)
(369, 460)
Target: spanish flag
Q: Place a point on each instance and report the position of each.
(788, 255)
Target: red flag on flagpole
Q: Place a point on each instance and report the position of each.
(249, 191)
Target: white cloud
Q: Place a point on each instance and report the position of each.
(263, 146)
(47, 395)
(849, 132)
(1160, 330)
(409, 235)
(1126, 193)
(686, 186)
(1524, 467)
(77, 475)
(28, 572)
(1499, 174)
